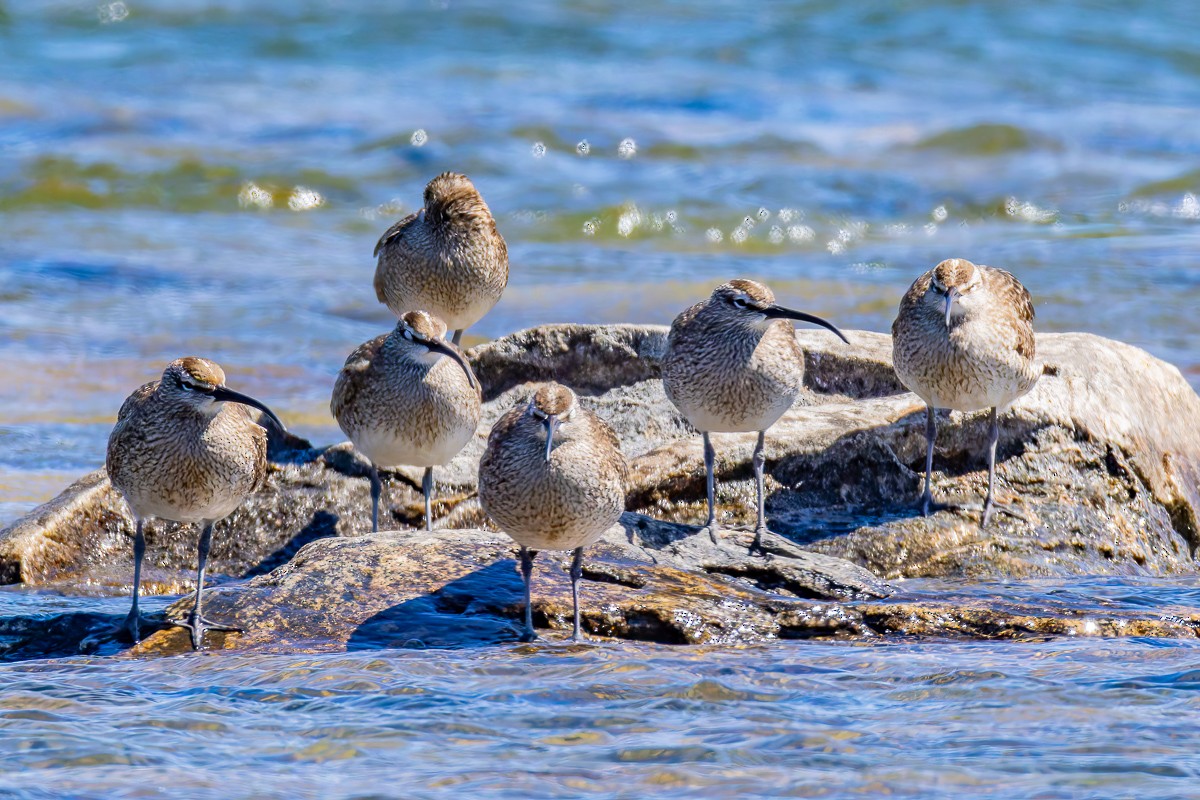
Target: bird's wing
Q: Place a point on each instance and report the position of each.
(911, 298)
(395, 232)
(346, 387)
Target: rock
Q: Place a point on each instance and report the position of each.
(1100, 459)
(462, 589)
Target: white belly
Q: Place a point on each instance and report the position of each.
(385, 449)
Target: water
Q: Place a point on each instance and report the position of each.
(210, 176)
(1052, 719)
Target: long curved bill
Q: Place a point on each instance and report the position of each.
(779, 312)
(951, 296)
(225, 394)
(438, 346)
(551, 423)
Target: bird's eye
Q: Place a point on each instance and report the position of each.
(187, 387)
(408, 334)
(537, 412)
(741, 302)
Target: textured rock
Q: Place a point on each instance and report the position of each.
(645, 581)
(1100, 458)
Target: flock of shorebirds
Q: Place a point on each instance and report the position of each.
(553, 477)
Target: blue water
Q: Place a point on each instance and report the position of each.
(835, 150)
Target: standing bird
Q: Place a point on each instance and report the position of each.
(407, 397)
(963, 340)
(180, 452)
(553, 478)
(447, 258)
(733, 365)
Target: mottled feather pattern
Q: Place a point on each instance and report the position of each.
(560, 504)
(987, 357)
(174, 462)
(451, 260)
(759, 371)
(401, 408)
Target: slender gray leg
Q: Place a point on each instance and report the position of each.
(759, 461)
(527, 557)
(458, 335)
(427, 487)
(993, 439)
(196, 622)
(139, 551)
(930, 436)
(376, 491)
(576, 574)
(710, 476)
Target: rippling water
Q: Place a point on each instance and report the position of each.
(1056, 719)
(210, 176)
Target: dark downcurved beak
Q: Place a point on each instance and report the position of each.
(951, 295)
(779, 312)
(551, 423)
(226, 395)
(438, 346)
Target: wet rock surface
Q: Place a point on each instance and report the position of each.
(1100, 461)
(461, 589)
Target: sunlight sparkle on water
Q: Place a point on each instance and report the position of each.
(419, 138)
(254, 195)
(1028, 212)
(304, 199)
(112, 12)
(538, 150)
(627, 148)
(583, 148)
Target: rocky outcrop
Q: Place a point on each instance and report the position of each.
(645, 581)
(1100, 460)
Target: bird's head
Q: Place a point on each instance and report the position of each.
(553, 406)
(425, 333)
(452, 199)
(953, 288)
(752, 304)
(200, 383)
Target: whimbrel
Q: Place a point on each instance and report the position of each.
(184, 449)
(963, 340)
(448, 258)
(733, 365)
(407, 398)
(553, 478)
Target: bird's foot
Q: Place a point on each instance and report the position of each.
(990, 506)
(134, 627)
(927, 505)
(527, 635)
(714, 533)
(198, 625)
(757, 544)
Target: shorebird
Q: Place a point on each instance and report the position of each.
(407, 397)
(733, 365)
(963, 340)
(184, 449)
(448, 258)
(553, 478)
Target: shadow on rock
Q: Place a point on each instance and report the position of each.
(462, 613)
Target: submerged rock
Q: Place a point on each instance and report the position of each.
(1100, 459)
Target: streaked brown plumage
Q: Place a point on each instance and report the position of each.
(963, 340)
(733, 365)
(448, 258)
(553, 478)
(407, 398)
(185, 449)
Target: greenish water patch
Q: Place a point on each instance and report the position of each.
(187, 186)
(990, 139)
